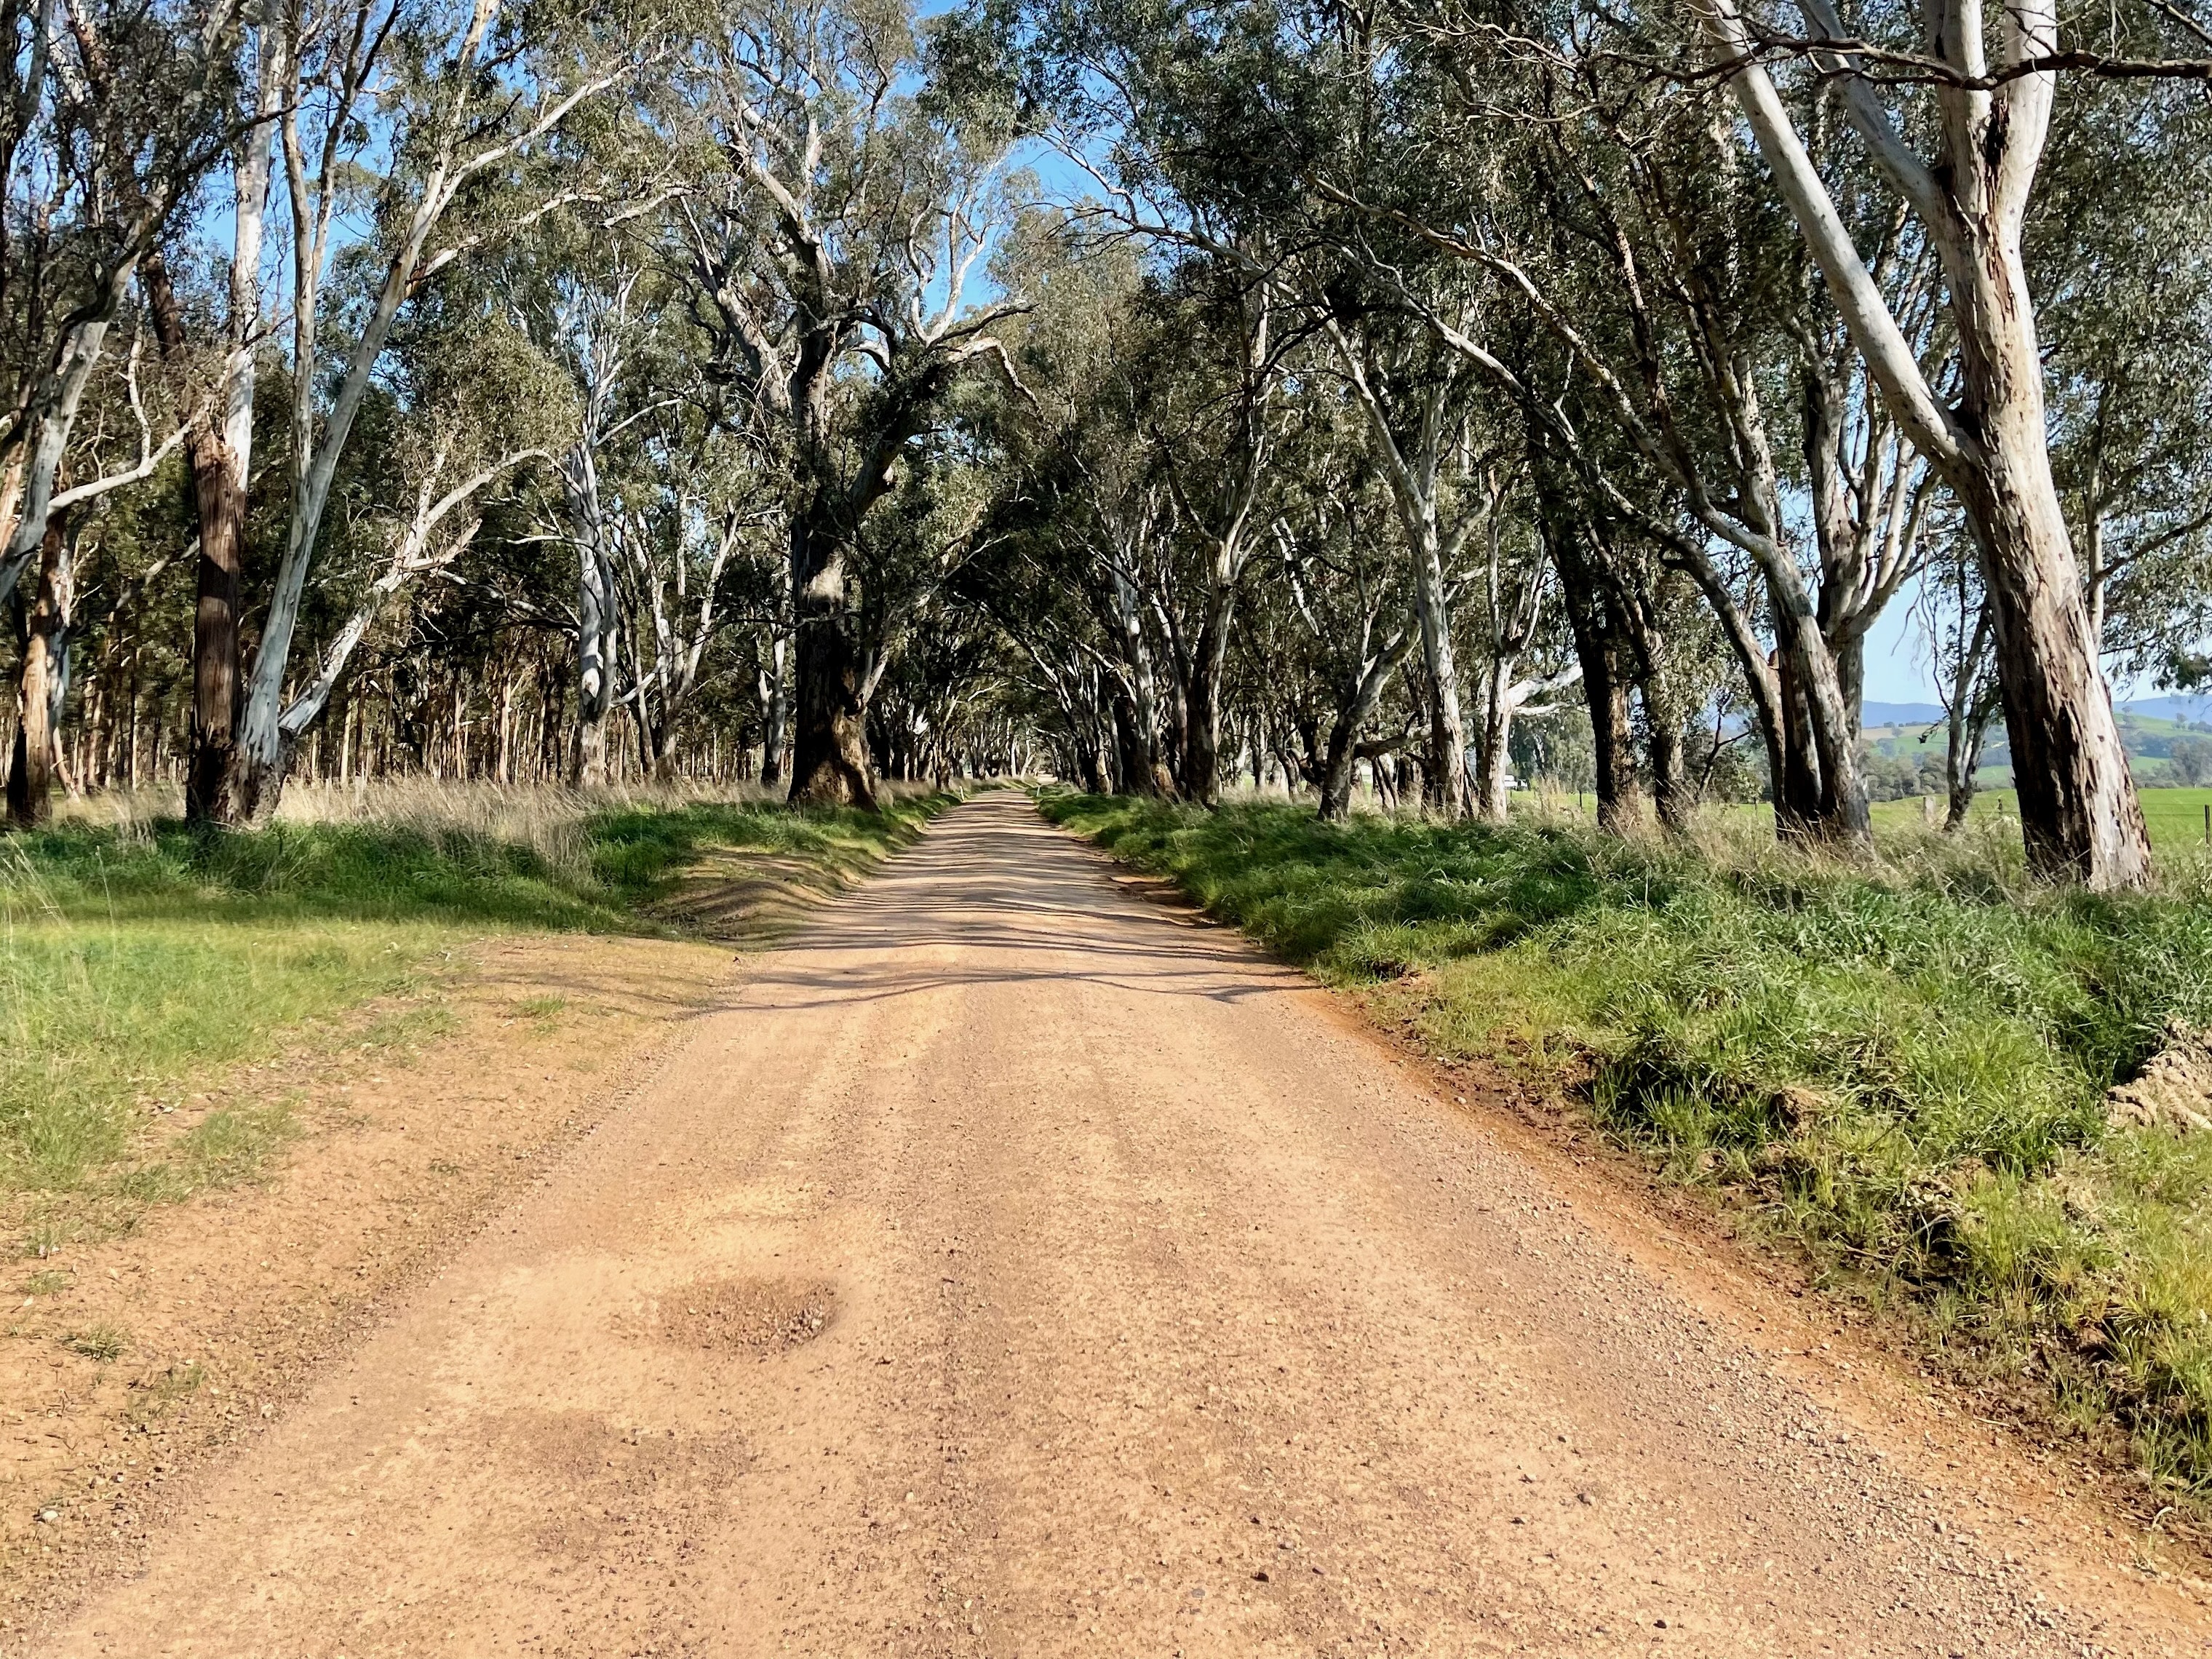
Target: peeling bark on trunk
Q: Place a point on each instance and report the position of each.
(219, 449)
(1493, 762)
(219, 492)
(45, 633)
(776, 715)
(2078, 808)
(218, 454)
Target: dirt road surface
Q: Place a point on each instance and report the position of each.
(1013, 1267)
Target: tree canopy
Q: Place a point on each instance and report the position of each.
(1394, 402)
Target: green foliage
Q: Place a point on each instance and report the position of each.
(1902, 1069)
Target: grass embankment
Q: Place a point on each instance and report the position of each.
(1900, 1070)
(136, 959)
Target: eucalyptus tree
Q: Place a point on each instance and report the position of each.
(1953, 110)
(111, 117)
(1347, 595)
(1212, 412)
(593, 304)
(1418, 399)
(710, 519)
(2121, 239)
(1631, 241)
(220, 432)
(1519, 593)
(111, 446)
(1086, 468)
(468, 405)
(458, 101)
(841, 202)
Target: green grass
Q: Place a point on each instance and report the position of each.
(2175, 816)
(101, 1342)
(1900, 1070)
(133, 964)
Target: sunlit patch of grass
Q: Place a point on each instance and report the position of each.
(544, 1013)
(139, 955)
(1901, 1068)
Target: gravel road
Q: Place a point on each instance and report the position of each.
(1011, 1265)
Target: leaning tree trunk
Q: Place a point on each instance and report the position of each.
(2078, 810)
(1336, 777)
(829, 737)
(2079, 815)
(47, 423)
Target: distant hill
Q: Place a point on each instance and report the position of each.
(1901, 714)
(2148, 728)
(2196, 709)
(2179, 708)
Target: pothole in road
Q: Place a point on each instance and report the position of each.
(747, 1316)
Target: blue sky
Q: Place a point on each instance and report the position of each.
(1896, 664)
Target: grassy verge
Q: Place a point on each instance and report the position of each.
(1900, 1070)
(136, 958)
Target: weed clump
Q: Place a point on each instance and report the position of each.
(102, 1343)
